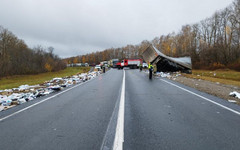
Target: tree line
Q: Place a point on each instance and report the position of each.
(16, 58)
(212, 43)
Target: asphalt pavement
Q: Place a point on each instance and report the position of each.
(159, 114)
(75, 120)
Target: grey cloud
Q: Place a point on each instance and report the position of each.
(76, 27)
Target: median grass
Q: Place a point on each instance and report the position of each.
(16, 81)
(226, 76)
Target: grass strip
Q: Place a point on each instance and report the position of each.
(227, 77)
(17, 80)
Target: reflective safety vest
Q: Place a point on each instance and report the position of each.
(150, 66)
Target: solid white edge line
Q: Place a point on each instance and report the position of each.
(234, 111)
(17, 112)
(119, 135)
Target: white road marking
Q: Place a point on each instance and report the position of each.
(108, 128)
(234, 111)
(119, 135)
(26, 108)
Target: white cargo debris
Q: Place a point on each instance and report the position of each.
(6, 102)
(57, 79)
(1, 108)
(28, 96)
(232, 101)
(56, 88)
(46, 92)
(164, 75)
(23, 87)
(25, 93)
(15, 96)
(2, 98)
(235, 94)
(21, 101)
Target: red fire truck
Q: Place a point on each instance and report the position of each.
(131, 63)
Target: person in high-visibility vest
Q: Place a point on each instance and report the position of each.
(150, 67)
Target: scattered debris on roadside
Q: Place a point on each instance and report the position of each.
(214, 88)
(163, 75)
(24, 93)
(232, 101)
(235, 94)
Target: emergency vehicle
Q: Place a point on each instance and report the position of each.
(131, 63)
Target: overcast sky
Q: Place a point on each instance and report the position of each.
(75, 27)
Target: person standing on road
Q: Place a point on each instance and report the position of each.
(140, 67)
(103, 67)
(150, 67)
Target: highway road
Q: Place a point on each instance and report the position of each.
(123, 109)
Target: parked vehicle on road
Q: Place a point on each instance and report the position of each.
(131, 63)
(113, 63)
(145, 65)
(98, 67)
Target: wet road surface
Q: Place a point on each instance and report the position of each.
(158, 114)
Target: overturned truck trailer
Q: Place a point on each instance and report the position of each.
(165, 63)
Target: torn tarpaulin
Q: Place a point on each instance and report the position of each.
(165, 63)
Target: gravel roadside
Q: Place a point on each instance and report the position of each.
(213, 88)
